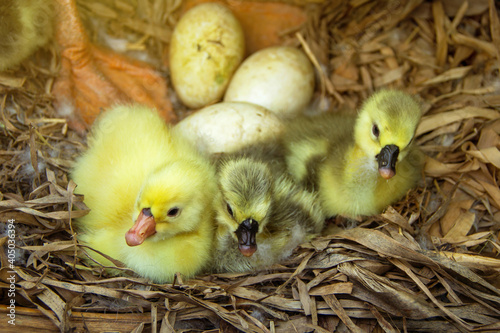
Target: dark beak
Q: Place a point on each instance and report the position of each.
(387, 161)
(246, 233)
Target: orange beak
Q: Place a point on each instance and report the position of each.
(143, 227)
(386, 173)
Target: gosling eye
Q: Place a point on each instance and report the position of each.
(173, 212)
(229, 210)
(375, 131)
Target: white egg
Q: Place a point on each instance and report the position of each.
(278, 78)
(228, 127)
(206, 47)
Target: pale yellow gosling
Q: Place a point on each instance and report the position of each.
(358, 164)
(262, 215)
(25, 25)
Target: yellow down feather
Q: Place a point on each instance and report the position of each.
(136, 161)
(25, 25)
(256, 187)
(336, 154)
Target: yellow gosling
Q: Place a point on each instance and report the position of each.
(262, 215)
(150, 195)
(358, 164)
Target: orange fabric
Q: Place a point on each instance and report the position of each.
(92, 79)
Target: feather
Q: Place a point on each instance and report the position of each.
(25, 25)
(358, 164)
(262, 214)
(150, 195)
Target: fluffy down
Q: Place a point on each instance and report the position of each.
(262, 215)
(150, 195)
(25, 25)
(358, 164)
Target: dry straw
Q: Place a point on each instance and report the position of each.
(427, 264)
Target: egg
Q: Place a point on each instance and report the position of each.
(228, 127)
(206, 47)
(278, 78)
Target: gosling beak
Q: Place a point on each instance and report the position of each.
(387, 161)
(246, 233)
(143, 227)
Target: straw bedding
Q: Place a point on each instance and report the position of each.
(429, 263)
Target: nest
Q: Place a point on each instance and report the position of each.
(427, 264)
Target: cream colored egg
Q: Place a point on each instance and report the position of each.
(278, 78)
(206, 47)
(228, 127)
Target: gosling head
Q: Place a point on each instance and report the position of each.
(173, 200)
(245, 201)
(385, 128)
